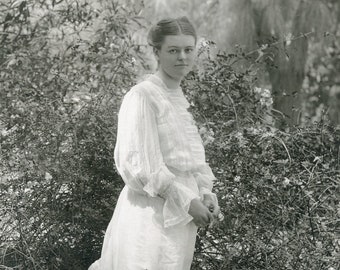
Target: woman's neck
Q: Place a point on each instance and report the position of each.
(170, 82)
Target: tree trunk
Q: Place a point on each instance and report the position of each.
(287, 78)
(285, 60)
(286, 86)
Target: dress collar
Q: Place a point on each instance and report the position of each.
(158, 81)
(176, 96)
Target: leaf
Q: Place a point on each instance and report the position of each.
(48, 176)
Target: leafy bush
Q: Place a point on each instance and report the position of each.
(64, 69)
(322, 85)
(62, 79)
(278, 190)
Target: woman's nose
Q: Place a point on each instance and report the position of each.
(181, 54)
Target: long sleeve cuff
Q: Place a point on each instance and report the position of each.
(159, 182)
(177, 203)
(205, 191)
(176, 195)
(204, 178)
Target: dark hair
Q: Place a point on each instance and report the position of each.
(168, 27)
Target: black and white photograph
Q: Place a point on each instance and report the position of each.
(169, 135)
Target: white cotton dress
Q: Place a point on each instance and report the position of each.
(160, 156)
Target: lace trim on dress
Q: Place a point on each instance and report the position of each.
(178, 100)
(201, 170)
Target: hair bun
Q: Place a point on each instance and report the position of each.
(170, 26)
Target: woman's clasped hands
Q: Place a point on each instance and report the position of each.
(205, 212)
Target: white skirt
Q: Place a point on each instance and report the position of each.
(136, 239)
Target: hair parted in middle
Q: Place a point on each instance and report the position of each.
(170, 26)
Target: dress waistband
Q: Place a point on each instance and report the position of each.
(178, 172)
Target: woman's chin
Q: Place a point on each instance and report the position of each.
(182, 74)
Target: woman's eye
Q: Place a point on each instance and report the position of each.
(188, 50)
(173, 51)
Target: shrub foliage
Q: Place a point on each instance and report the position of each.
(62, 76)
(63, 73)
(278, 189)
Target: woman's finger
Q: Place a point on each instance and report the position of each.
(216, 211)
(210, 217)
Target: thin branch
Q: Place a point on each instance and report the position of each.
(259, 50)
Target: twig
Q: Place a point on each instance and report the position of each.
(234, 109)
(304, 35)
(284, 145)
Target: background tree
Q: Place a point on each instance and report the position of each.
(283, 34)
(274, 26)
(64, 67)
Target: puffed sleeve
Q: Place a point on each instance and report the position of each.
(139, 160)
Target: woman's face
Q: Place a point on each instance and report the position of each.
(177, 54)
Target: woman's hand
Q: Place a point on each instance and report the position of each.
(211, 203)
(200, 213)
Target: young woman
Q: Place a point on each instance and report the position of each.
(160, 156)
